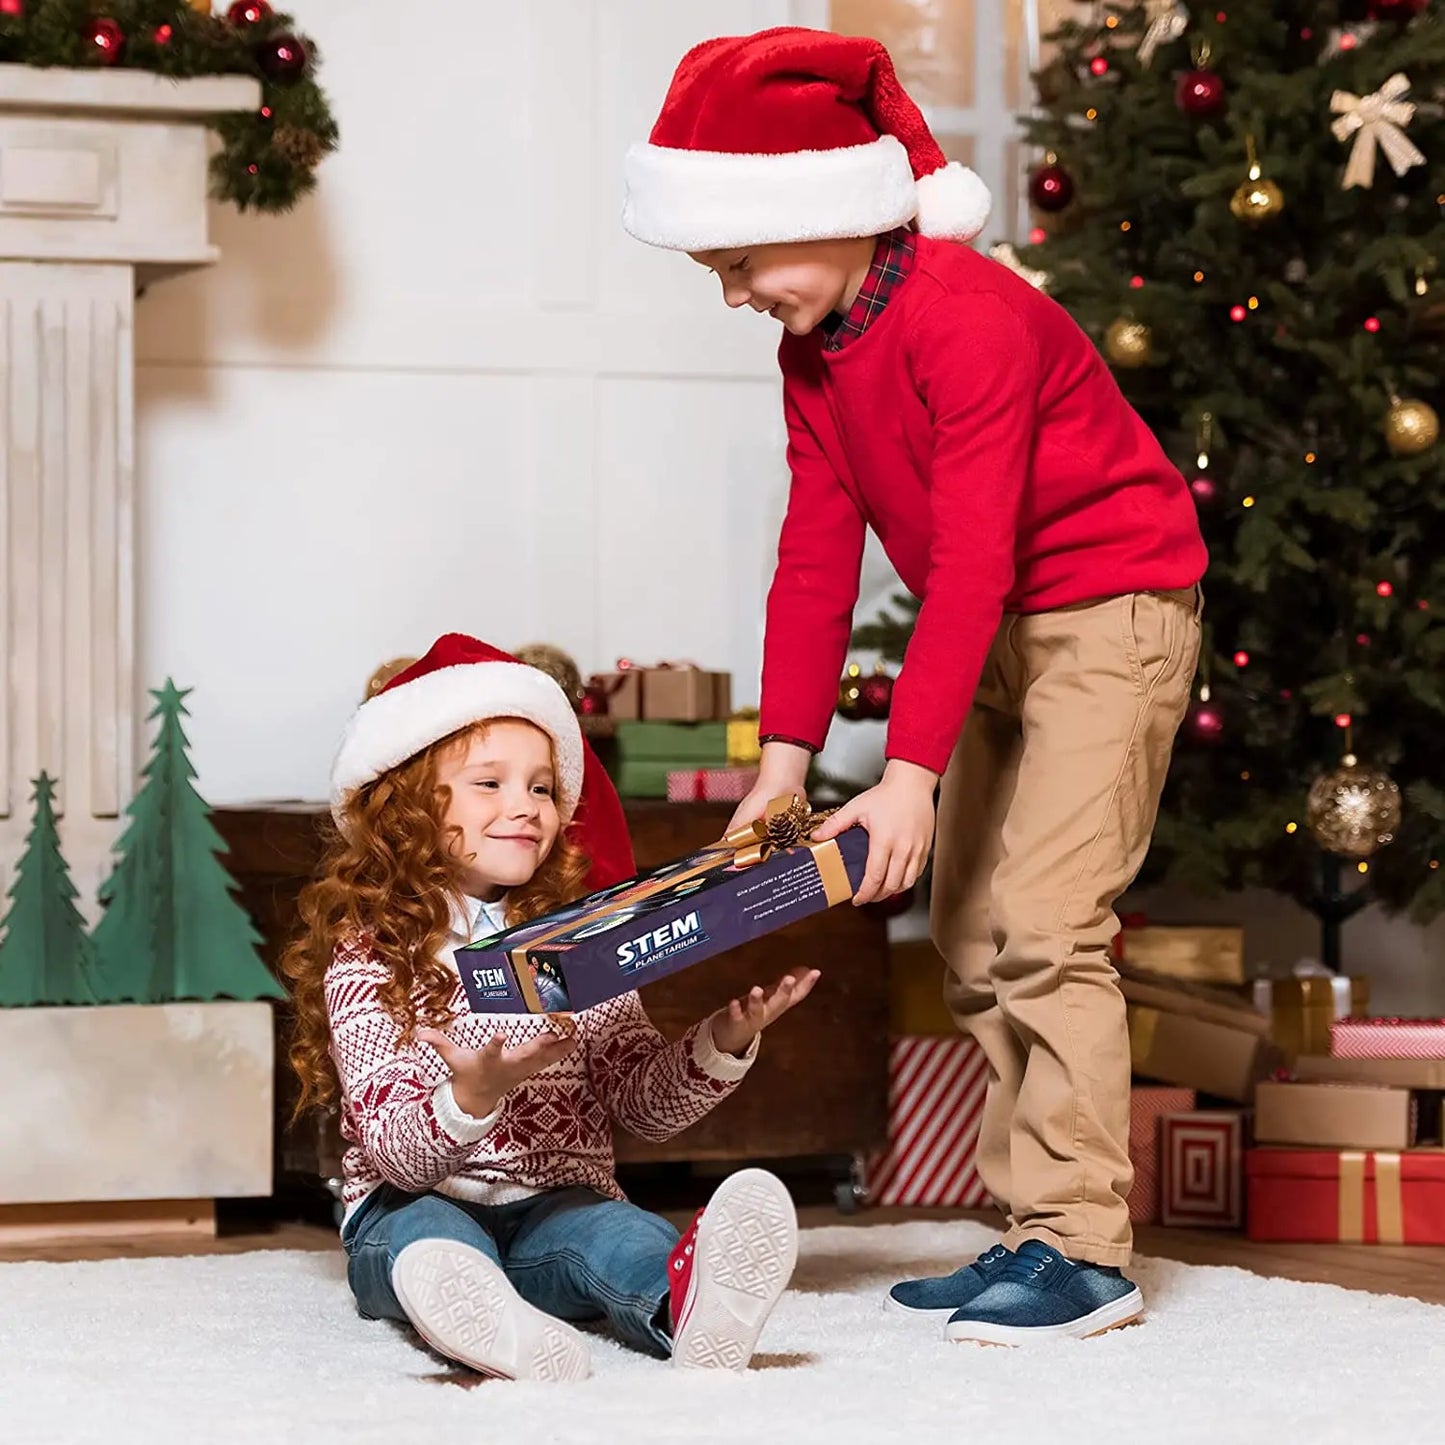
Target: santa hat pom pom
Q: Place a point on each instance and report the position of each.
(953, 203)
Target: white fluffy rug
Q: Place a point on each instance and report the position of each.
(267, 1348)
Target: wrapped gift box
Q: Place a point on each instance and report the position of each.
(1198, 955)
(1201, 1183)
(1195, 1036)
(748, 884)
(744, 747)
(1335, 1116)
(915, 991)
(648, 752)
(936, 1090)
(671, 692)
(1347, 1196)
(1148, 1104)
(1393, 1073)
(710, 785)
(1388, 1039)
(1303, 1009)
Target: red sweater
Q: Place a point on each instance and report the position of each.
(976, 429)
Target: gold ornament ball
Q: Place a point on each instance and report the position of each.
(1128, 343)
(1353, 810)
(557, 664)
(1256, 202)
(384, 675)
(1411, 427)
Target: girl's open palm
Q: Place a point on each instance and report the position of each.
(482, 1077)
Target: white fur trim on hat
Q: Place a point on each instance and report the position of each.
(401, 721)
(685, 200)
(953, 203)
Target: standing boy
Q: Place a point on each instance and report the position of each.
(936, 397)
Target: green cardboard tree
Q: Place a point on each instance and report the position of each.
(171, 927)
(45, 955)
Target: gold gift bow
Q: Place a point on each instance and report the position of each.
(786, 822)
(1376, 120)
(1389, 1207)
(1166, 20)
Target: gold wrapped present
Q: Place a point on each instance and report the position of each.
(1301, 1009)
(1197, 955)
(744, 749)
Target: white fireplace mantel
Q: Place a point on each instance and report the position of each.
(103, 184)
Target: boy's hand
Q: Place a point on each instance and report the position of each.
(481, 1077)
(783, 770)
(898, 815)
(735, 1027)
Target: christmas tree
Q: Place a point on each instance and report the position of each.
(171, 928)
(1244, 209)
(45, 955)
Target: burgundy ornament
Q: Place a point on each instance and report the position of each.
(249, 12)
(1051, 188)
(282, 58)
(104, 40)
(1199, 93)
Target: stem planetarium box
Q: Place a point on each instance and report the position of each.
(754, 881)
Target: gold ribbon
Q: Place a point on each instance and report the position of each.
(1376, 120)
(787, 822)
(1389, 1201)
(1166, 20)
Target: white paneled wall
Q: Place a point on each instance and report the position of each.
(450, 392)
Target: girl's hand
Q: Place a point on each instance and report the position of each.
(481, 1077)
(735, 1027)
(898, 815)
(782, 771)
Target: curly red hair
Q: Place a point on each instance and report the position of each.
(389, 876)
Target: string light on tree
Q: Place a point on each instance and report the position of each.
(104, 41)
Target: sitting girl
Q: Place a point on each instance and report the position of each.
(481, 1202)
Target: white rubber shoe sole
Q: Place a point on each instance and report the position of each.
(747, 1245)
(463, 1306)
(1126, 1310)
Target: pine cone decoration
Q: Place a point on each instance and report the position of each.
(303, 148)
(788, 826)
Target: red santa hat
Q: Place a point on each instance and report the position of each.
(792, 135)
(462, 681)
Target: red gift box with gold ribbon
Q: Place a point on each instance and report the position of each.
(1346, 1196)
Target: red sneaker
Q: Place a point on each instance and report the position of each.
(729, 1269)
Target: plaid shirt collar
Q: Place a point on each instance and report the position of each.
(892, 261)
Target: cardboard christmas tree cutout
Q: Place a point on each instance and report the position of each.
(45, 955)
(171, 928)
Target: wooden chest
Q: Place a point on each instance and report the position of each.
(820, 1084)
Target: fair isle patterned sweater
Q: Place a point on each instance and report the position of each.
(404, 1128)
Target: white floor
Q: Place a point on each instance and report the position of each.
(267, 1347)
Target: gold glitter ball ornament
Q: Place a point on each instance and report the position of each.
(557, 664)
(1128, 343)
(1411, 427)
(1256, 202)
(1353, 810)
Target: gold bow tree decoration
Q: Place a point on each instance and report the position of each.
(1376, 121)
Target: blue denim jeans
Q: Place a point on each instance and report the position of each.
(569, 1252)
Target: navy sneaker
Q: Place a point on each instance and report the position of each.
(1038, 1294)
(949, 1292)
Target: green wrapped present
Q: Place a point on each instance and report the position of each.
(673, 744)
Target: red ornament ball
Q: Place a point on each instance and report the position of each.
(1051, 188)
(1206, 722)
(875, 694)
(104, 41)
(12, 7)
(1397, 12)
(249, 12)
(1204, 490)
(593, 702)
(282, 58)
(1199, 93)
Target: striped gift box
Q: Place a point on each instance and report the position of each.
(1201, 1172)
(1149, 1104)
(1388, 1038)
(935, 1104)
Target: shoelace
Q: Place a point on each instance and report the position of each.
(1024, 1268)
(682, 1250)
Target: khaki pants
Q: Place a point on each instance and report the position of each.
(1044, 819)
